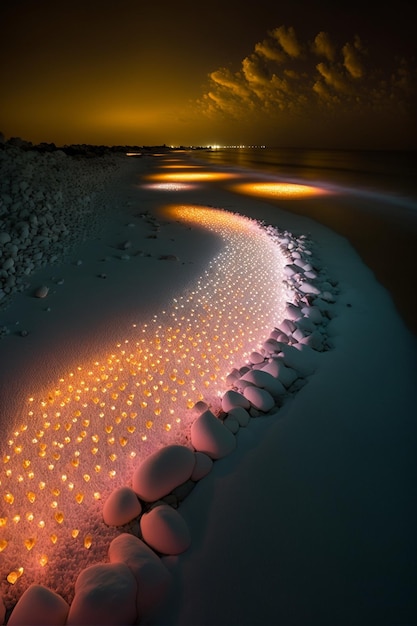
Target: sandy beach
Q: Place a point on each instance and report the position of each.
(311, 517)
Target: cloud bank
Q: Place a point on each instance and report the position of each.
(285, 77)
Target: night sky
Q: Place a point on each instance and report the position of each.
(296, 73)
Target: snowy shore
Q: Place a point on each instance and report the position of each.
(304, 488)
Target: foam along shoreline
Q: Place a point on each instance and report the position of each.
(329, 242)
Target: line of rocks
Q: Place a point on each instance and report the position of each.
(126, 588)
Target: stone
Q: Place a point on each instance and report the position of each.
(209, 435)
(241, 415)
(152, 577)
(105, 594)
(232, 399)
(162, 471)
(263, 379)
(41, 292)
(165, 530)
(39, 606)
(121, 507)
(203, 465)
(259, 398)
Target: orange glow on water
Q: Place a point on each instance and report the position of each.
(287, 191)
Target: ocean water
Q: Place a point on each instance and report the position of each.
(392, 174)
(373, 203)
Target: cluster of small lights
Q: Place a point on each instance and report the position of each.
(279, 190)
(83, 437)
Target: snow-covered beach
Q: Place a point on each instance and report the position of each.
(310, 518)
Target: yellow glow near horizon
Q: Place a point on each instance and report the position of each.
(287, 191)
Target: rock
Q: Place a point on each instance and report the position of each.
(165, 530)
(152, 577)
(256, 357)
(4, 238)
(232, 399)
(308, 288)
(271, 346)
(303, 360)
(277, 369)
(241, 415)
(121, 507)
(41, 292)
(263, 379)
(313, 313)
(203, 465)
(162, 471)
(2, 611)
(259, 398)
(210, 436)
(105, 594)
(232, 424)
(39, 606)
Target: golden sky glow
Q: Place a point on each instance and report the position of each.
(228, 73)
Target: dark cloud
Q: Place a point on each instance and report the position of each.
(284, 75)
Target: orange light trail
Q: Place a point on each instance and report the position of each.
(83, 438)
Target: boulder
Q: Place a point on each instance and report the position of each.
(165, 530)
(105, 595)
(121, 507)
(39, 606)
(162, 471)
(209, 435)
(152, 577)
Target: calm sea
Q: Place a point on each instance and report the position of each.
(389, 173)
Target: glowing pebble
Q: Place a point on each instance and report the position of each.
(162, 471)
(165, 530)
(41, 292)
(203, 465)
(121, 507)
(152, 577)
(210, 436)
(104, 594)
(259, 398)
(39, 606)
(232, 399)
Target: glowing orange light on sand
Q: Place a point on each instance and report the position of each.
(287, 191)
